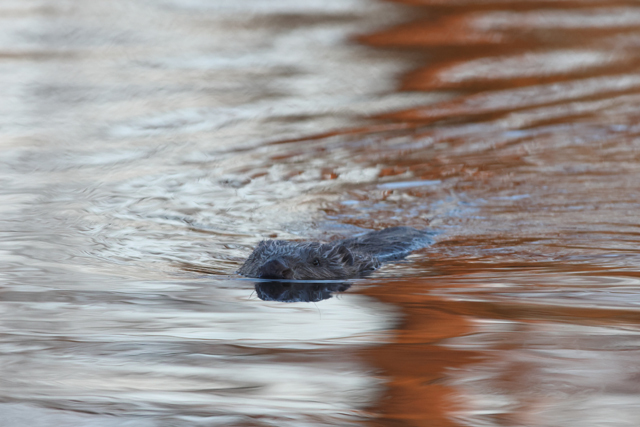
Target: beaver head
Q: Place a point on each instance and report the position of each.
(279, 259)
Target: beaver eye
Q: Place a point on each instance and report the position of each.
(316, 262)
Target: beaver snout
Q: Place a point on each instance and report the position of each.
(275, 269)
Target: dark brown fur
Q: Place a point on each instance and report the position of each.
(281, 259)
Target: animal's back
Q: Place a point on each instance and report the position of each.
(390, 243)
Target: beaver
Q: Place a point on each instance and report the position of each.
(340, 259)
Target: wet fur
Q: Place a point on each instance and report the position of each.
(280, 259)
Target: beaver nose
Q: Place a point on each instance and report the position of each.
(275, 269)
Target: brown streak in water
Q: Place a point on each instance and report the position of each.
(445, 38)
(416, 364)
(452, 5)
(427, 79)
(413, 121)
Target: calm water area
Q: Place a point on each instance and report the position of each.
(147, 146)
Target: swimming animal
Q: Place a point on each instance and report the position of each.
(340, 259)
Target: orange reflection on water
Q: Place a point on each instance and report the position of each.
(529, 314)
(414, 362)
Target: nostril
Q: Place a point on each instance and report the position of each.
(287, 273)
(275, 269)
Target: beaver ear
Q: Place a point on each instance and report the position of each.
(346, 255)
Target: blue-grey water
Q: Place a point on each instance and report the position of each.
(147, 146)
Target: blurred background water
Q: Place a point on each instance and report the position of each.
(147, 146)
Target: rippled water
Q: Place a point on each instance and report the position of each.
(146, 147)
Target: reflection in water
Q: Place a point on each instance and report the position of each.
(137, 137)
(538, 152)
(298, 291)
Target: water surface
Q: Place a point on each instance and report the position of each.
(147, 146)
